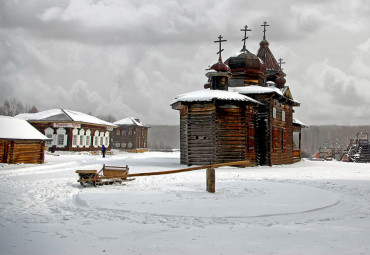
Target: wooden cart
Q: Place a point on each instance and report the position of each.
(107, 175)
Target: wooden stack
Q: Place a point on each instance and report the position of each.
(19, 151)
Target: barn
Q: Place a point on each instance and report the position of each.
(130, 135)
(20, 142)
(218, 126)
(71, 130)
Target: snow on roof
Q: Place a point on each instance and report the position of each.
(129, 121)
(63, 115)
(253, 89)
(209, 95)
(295, 121)
(18, 129)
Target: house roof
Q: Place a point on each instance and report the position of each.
(129, 121)
(63, 115)
(209, 95)
(17, 129)
(297, 122)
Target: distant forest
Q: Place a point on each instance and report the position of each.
(162, 137)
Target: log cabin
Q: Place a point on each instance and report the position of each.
(130, 135)
(244, 113)
(20, 142)
(71, 130)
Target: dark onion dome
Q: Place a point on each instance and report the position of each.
(220, 67)
(280, 81)
(245, 61)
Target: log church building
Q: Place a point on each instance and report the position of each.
(245, 112)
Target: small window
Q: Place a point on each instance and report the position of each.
(123, 145)
(118, 132)
(48, 143)
(124, 132)
(130, 145)
(60, 139)
(274, 112)
(74, 140)
(118, 145)
(130, 132)
(87, 140)
(283, 115)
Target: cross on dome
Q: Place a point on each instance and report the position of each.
(245, 36)
(220, 50)
(264, 29)
(281, 62)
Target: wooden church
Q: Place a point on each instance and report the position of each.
(245, 112)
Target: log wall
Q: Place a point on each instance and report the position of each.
(232, 124)
(279, 154)
(201, 134)
(20, 151)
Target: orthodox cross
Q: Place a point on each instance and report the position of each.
(281, 62)
(245, 35)
(264, 29)
(220, 50)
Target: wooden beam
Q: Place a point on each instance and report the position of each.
(235, 163)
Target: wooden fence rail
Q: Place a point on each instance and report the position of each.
(235, 163)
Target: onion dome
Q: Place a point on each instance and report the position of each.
(245, 61)
(280, 81)
(220, 67)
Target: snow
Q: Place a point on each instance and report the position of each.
(305, 208)
(17, 129)
(54, 115)
(128, 121)
(209, 95)
(253, 89)
(296, 121)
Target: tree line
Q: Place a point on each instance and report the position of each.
(14, 107)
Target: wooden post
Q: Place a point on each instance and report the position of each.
(211, 180)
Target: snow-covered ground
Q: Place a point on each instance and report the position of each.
(304, 208)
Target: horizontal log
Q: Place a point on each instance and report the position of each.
(237, 163)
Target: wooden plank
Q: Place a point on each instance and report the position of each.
(236, 163)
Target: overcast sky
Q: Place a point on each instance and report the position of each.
(131, 58)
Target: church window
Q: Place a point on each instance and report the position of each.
(283, 115)
(274, 112)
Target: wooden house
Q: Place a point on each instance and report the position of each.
(130, 135)
(259, 128)
(71, 130)
(20, 142)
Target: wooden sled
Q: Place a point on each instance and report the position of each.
(107, 175)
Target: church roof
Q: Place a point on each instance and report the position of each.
(209, 95)
(267, 57)
(254, 89)
(129, 121)
(63, 115)
(17, 129)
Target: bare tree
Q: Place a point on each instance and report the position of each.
(13, 107)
